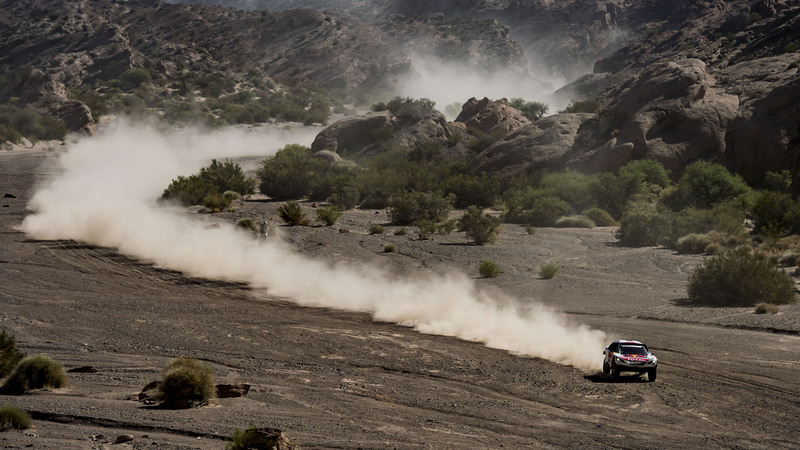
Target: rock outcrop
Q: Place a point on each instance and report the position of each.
(489, 116)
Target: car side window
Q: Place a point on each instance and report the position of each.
(614, 347)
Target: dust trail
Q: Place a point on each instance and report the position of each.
(105, 195)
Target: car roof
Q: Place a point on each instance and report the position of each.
(626, 341)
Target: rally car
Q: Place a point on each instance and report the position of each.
(629, 356)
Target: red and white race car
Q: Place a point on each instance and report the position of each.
(629, 356)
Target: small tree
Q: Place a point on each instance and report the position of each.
(480, 227)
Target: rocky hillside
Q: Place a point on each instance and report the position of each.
(47, 47)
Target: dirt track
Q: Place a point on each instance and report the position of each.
(332, 379)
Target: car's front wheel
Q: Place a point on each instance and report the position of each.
(614, 371)
(651, 374)
(606, 369)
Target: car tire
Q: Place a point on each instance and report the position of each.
(651, 375)
(614, 372)
(606, 369)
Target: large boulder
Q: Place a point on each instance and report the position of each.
(353, 132)
(547, 143)
(490, 116)
(672, 113)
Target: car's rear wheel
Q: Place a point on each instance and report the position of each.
(651, 375)
(606, 369)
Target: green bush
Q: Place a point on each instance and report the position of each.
(328, 214)
(389, 248)
(402, 231)
(531, 110)
(217, 202)
(228, 176)
(537, 207)
(740, 277)
(190, 190)
(600, 217)
(582, 106)
(409, 208)
(790, 259)
(133, 78)
(579, 190)
(187, 383)
(345, 198)
(253, 439)
(375, 228)
(290, 174)
(35, 372)
(766, 308)
(693, 243)
(643, 224)
(447, 227)
(9, 355)
(292, 214)
(480, 227)
(548, 271)
(426, 228)
(574, 222)
(16, 123)
(530, 229)
(704, 185)
(247, 224)
(13, 418)
(775, 214)
(489, 269)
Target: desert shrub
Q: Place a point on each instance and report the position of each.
(447, 226)
(790, 259)
(13, 418)
(775, 214)
(231, 195)
(637, 181)
(766, 308)
(375, 228)
(582, 106)
(35, 372)
(480, 227)
(408, 208)
(133, 78)
(190, 190)
(538, 207)
(548, 271)
(483, 141)
(724, 218)
(187, 382)
(600, 217)
(210, 181)
(345, 198)
(579, 190)
(217, 202)
(9, 354)
(714, 248)
(290, 173)
(777, 181)
(643, 224)
(531, 110)
(16, 122)
(292, 214)
(483, 190)
(574, 222)
(489, 269)
(740, 277)
(328, 214)
(426, 228)
(530, 229)
(693, 243)
(228, 176)
(402, 231)
(253, 439)
(389, 248)
(247, 224)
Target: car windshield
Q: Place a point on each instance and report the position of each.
(637, 350)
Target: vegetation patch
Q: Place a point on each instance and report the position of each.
(328, 214)
(10, 356)
(489, 269)
(766, 308)
(187, 383)
(740, 277)
(292, 214)
(35, 372)
(389, 248)
(13, 418)
(549, 270)
(574, 222)
(481, 227)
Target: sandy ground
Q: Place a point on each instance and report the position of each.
(335, 379)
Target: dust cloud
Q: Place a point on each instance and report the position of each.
(105, 191)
